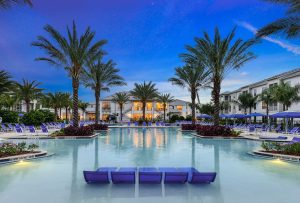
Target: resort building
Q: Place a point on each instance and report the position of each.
(292, 77)
(132, 110)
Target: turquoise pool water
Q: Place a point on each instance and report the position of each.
(58, 179)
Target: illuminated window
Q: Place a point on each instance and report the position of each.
(149, 106)
(137, 106)
(159, 106)
(179, 107)
(106, 105)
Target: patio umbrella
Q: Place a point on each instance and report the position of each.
(204, 116)
(237, 116)
(286, 115)
(256, 115)
(223, 115)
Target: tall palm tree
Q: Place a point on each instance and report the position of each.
(285, 94)
(83, 106)
(66, 103)
(144, 92)
(289, 25)
(4, 4)
(243, 101)
(100, 77)
(53, 100)
(267, 97)
(5, 82)
(219, 55)
(193, 77)
(165, 99)
(8, 101)
(121, 98)
(28, 91)
(70, 52)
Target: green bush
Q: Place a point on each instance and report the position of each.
(33, 118)
(290, 149)
(38, 117)
(48, 115)
(9, 116)
(175, 118)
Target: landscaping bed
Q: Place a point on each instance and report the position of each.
(10, 149)
(83, 132)
(216, 132)
(283, 149)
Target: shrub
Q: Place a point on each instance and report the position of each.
(289, 149)
(99, 127)
(33, 118)
(78, 131)
(175, 118)
(48, 115)
(9, 116)
(10, 149)
(188, 127)
(221, 131)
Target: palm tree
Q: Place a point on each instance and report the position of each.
(53, 100)
(243, 101)
(219, 55)
(70, 53)
(121, 98)
(165, 99)
(66, 103)
(267, 97)
(5, 82)
(83, 106)
(100, 77)
(285, 94)
(4, 4)
(28, 91)
(193, 77)
(288, 25)
(8, 101)
(144, 92)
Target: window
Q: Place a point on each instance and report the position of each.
(106, 105)
(179, 107)
(137, 106)
(149, 106)
(254, 92)
(160, 106)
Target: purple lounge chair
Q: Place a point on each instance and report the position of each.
(123, 175)
(96, 177)
(273, 138)
(172, 175)
(196, 177)
(150, 175)
(295, 140)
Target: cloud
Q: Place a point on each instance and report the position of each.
(244, 73)
(289, 47)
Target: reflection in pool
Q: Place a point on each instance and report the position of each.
(241, 178)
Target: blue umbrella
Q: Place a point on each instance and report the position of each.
(204, 116)
(20, 114)
(223, 115)
(286, 114)
(237, 116)
(256, 115)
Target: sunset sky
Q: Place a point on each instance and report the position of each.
(144, 38)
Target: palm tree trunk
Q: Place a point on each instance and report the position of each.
(59, 113)
(144, 110)
(121, 112)
(267, 113)
(97, 98)
(66, 113)
(55, 112)
(164, 112)
(193, 98)
(75, 85)
(216, 99)
(27, 106)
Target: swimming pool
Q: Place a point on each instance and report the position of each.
(59, 179)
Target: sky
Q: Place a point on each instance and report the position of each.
(144, 38)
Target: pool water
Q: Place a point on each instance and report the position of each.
(58, 179)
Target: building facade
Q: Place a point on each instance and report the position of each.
(132, 110)
(292, 77)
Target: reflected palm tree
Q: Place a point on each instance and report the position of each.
(96, 164)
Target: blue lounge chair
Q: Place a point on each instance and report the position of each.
(295, 140)
(128, 124)
(172, 175)
(149, 123)
(96, 177)
(123, 175)
(196, 177)
(150, 175)
(136, 123)
(273, 138)
(144, 124)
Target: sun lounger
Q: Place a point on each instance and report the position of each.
(101, 175)
(150, 175)
(273, 138)
(196, 177)
(295, 140)
(172, 175)
(123, 175)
